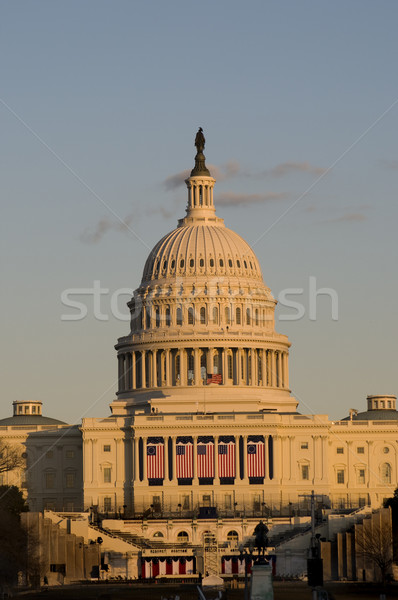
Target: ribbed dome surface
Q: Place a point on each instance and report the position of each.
(201, 250)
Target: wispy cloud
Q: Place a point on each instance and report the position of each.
(390, 164)
(233, 169)
(104, 225)
(348, 218)
(234, 199)
(290, 167)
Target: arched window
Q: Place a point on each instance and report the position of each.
(157, 317)
(182, 536)
(385, 472)
(203, 316)
(248, 319)
(191, 263)
(168, 319)
(229, 262)
(232, 536)
(179, 315)
(215, 314)
(221, 262)
(238, 316)
(227, 315)
(238, 263)
(148, 318)
(190, 315)
(201, 262)
(257, 319)
(212, 262)
(158, 534)
(182, 263)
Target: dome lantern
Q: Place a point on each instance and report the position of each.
(200, 184)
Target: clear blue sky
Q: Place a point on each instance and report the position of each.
(99, 105)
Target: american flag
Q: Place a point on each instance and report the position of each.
(255, 459)
(214, 378)
(155, 460)
(226, 459)
(205, 459)
(184, 459)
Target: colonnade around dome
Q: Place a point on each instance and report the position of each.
(198, 366)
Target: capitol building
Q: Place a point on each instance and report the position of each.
(204, 425)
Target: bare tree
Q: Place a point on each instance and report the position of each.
(374, 544)
(10, 457)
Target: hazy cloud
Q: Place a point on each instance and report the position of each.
(390, 164)
(174, 181)
(233, 199)
(233, 169)
(291, 167)
(130, 222)
(348, 218)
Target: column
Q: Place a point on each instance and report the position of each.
(94, 464)
(144, 469)
(120, 364)
(245, 472)
(266, 473)
(224, 366)
(216, 459)
(133, 373)
(278, 463)
(194, 460)
(161, 365)
(154, 369)
(173, 454)
(87, 464)
(143, 369)
(210, 352)
(292, 458)
(119, 461)
(183, 367)
(136, 475)
(237, 366)
(264, 366)
(273, 369)
(197, 373)
(167, 366)
(253, 366)
(286, 370)
(317, 458)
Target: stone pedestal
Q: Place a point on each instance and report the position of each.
(261, 583)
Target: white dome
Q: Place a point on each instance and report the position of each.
(198, 250)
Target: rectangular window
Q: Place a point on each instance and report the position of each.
(361, 476)
(340, 476)
(70, 454)
(304, 445)
(33, 410)
(49, 454)
(49, 504)
(361, 450)
(185, 502)
(107, 504)
(107, 448)
(156, 503)
(70, 506)
(256, 502)
(50, 481)
(340, 450)
(107, 474)
(228, 501)
(305, 472)
(206, 500)
(70, 480)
